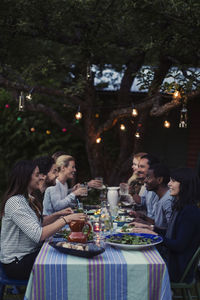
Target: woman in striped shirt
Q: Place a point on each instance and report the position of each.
(22, 231)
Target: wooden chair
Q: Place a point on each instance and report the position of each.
(186, 289)
(4, 281)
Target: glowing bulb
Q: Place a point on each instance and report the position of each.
(98, 140)
(64, 129)
(97, 116)
(167, 124)
(29, 97)
(122, 127)
(176, 95)
(134, 112)
(78, 115)
(48, 132)
(137, 135)
(32, 129)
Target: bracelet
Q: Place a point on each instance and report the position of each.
(63, 219)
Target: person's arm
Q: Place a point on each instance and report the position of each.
(52, 228)
(53, 217)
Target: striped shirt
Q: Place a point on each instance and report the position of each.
(20, 230)
(57, 198)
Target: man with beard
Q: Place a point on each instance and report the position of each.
(157, 180)
(148, 198)
(48, 173)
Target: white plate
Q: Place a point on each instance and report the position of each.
(156, 239)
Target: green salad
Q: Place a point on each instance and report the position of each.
(130, 240)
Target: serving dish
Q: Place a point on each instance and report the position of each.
(142, 240)
(93, 249)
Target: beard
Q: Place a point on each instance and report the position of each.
(50, 182)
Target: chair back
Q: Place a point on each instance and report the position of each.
(193, 263)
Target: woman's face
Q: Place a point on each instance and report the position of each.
(135, 164)
(70, 170)
(174, 187)
(35, 180)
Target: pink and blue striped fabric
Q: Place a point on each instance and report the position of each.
(113, 275)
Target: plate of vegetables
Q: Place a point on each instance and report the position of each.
(132, 241)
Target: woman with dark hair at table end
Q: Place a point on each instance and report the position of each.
(21, 231)
(182, 237)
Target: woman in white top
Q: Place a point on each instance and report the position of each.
(22, 231)
(60, 196)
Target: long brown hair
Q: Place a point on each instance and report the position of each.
(18, 182)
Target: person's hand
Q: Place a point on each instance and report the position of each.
(81, 191)
(140, 225)
(75, 217)
(95, 183)
(143, 230)
(75, 187)
(66, 211)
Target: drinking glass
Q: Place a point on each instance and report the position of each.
(101, 180)
(123, 188)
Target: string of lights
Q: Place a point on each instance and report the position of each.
(78, 116)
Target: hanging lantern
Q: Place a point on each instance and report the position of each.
(96, 115)
(48, 132)
(122, 127)
(183, 118)
(21, 102)
(19, 119)
(167, 124)
(7, 106)
(32, 129)
(64, 129)
(98, 140)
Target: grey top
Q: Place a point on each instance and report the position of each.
(57, 197)
(163, 210)
(20, 230)
(148, 200)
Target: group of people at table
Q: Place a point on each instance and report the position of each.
(38, 203)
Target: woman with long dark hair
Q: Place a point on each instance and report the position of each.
(182, 237)
(21, 231)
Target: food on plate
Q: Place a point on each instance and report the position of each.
(78, 246)
(131, 239)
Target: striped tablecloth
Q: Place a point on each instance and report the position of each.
(113, 275)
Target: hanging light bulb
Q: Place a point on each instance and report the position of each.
(183, 118)
(137, 134)
(21, 102)
(134, 112)
(98, 140)
(176, 95)
(29, 97)
(167, 124)
(78, 115)
(122, 127)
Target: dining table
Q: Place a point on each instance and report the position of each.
(115, 274)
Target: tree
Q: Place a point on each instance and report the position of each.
(52, 46)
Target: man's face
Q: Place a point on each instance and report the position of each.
(151, 181)
(143, 167)
(51, 176)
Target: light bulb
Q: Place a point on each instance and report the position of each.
(167, 124)
(134, 112)
(78, 115)
(98, 140)
(122, 127)
(137, 135)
